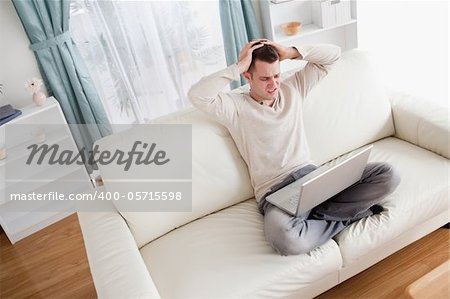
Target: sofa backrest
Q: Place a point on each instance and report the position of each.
(219, 175)
(347, 109)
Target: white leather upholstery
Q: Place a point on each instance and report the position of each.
(423, 193)
(116, 265)
(347, 109)
(420, 123)
(225, 255)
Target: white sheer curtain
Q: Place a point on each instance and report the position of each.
(144, 55)
(409, 40)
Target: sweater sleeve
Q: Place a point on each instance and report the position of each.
(320, 59)
(207, 95)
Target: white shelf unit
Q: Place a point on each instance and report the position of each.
(17, 222)
(274, 15)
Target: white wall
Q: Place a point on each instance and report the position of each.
(409, 41)
(17, 61)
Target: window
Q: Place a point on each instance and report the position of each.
(143, 56)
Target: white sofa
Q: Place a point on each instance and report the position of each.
(219, 251)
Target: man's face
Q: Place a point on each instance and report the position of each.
(264, 80)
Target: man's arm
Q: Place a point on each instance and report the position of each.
(323, 56)
(206, 94)
(284, 52)
(320, 59)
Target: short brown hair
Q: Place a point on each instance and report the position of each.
(266, 53)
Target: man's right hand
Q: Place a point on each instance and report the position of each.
(245, 57)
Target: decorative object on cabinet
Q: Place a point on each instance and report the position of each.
(34, 87)
(39, 98)
(291, 28)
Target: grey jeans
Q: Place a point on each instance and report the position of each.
(290, 235)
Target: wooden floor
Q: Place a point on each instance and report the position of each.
(390, 277)
(52, 264)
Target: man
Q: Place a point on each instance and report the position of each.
(267, 127)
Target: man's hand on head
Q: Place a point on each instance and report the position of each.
(245, 57)
(283, 52)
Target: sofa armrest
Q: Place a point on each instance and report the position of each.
(116, 264)
(420, 122)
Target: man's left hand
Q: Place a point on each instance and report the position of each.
(283, 52)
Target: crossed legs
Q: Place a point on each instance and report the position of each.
(290, 235)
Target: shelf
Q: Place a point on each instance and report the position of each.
(306, 30)
(343, 34)
(32, 109)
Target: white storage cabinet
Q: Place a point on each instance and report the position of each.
(15, 177)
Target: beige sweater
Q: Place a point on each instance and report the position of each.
(271, 140)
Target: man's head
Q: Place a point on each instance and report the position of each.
(263, 74)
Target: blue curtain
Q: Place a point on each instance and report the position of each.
(46, 23)
(239, 26)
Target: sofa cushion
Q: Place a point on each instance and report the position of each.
(225, 255)
(347, 109)
(219, 175)
(422, 194)
(418, 122)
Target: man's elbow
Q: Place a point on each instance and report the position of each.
(193, 95)
(197, 97)
(337, 53)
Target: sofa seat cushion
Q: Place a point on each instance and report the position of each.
(225, 255)
(422, 194)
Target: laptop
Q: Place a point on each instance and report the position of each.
(321, 184)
